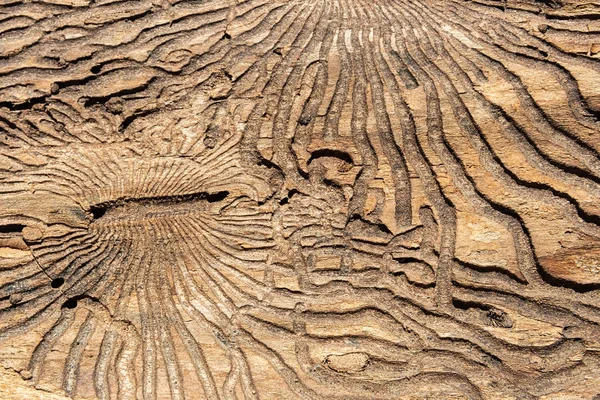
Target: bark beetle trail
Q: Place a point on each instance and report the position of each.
(307, 199)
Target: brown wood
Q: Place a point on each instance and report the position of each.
(307, 199)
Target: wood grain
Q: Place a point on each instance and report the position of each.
(305, 199)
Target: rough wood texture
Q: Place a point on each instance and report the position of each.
(306, 199)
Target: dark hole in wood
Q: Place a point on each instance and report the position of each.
(215, 197)
(70, 303)
(57, 282)
(98, 212)
(11, 228)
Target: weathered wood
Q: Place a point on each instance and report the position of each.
(307, 199)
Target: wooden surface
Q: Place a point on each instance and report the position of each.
(306, 199)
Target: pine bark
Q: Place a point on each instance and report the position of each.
(305, 199)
